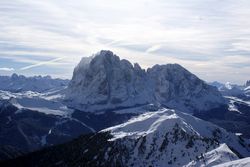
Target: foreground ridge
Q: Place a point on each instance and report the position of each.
(161, 138)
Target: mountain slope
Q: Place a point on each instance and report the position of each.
(170, 136)
(104, 82)
(28, 130)
(29, 122)
(217, 156)
(235, 117)
(161, 138)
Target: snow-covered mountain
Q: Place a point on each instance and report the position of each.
(104, 81)
(19, 83)
(172, 137)
(161, 138)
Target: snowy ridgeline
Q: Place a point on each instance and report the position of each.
(171, 138)
(104, 81)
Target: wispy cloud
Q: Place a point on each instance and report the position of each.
(153, 48)
(6, 69)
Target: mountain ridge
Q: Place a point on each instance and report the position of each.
(20, 83)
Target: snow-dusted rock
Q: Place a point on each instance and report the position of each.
(104, 81)
(171, 138)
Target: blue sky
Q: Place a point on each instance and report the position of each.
(211, 38)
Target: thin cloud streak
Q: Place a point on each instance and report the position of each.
(41, 63)
(153, 48)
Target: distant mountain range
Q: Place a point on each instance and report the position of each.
(229, 89)
(122, 112)
(19, 83)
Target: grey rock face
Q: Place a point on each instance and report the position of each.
(105, 80)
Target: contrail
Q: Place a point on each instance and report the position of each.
(41, 63)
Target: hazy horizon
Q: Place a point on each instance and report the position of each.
(209, 38)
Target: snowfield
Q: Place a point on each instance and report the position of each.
(48, 103)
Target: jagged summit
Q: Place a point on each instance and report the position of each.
(106, 55)
(104, 81)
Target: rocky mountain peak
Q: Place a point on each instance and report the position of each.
(104, 81)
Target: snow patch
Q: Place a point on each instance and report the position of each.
(245, 162)
(217, 156)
